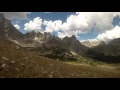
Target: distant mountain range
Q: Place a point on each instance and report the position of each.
(107, 52)
(33, 39)
(93, 43)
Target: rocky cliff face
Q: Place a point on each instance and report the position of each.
(2, 32)
(73, 44)
(30, 35)
(7, 30)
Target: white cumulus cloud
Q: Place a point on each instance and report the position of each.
(35, 25)
(17, 26)
(85, 21)
(52, 25)
(62, 35)
(110, 35)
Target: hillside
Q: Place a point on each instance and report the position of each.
(106, 53)
(115, 42)
(16, 62)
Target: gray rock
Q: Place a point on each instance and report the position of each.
(22, 64)
(17, 47)
(26, 57)
(57, 59)
(13, 62)
(5, 66)
(2, 76)
(51, 64)
(50, 76)
(4, 58)
(17, 69)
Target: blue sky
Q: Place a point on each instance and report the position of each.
(85, 25)
(44, 15)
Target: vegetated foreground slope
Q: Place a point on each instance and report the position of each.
(18, 63)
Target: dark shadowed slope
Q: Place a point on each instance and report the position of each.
(72, 44)
(106, 53)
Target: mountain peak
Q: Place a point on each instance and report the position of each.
(73, 36)
(1, 17)
(47, 34)
(32, 32)
(7, 30)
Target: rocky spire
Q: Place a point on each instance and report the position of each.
(47, 35)
(7, 30)
(73, 37)
(1, 17)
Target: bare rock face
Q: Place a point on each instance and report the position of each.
(73, 44)
(53, 42)
(7, 30)
(11, 31)
(39, 35)
(1, 17)
(30, 35)
(2, 25)
(46, 35)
